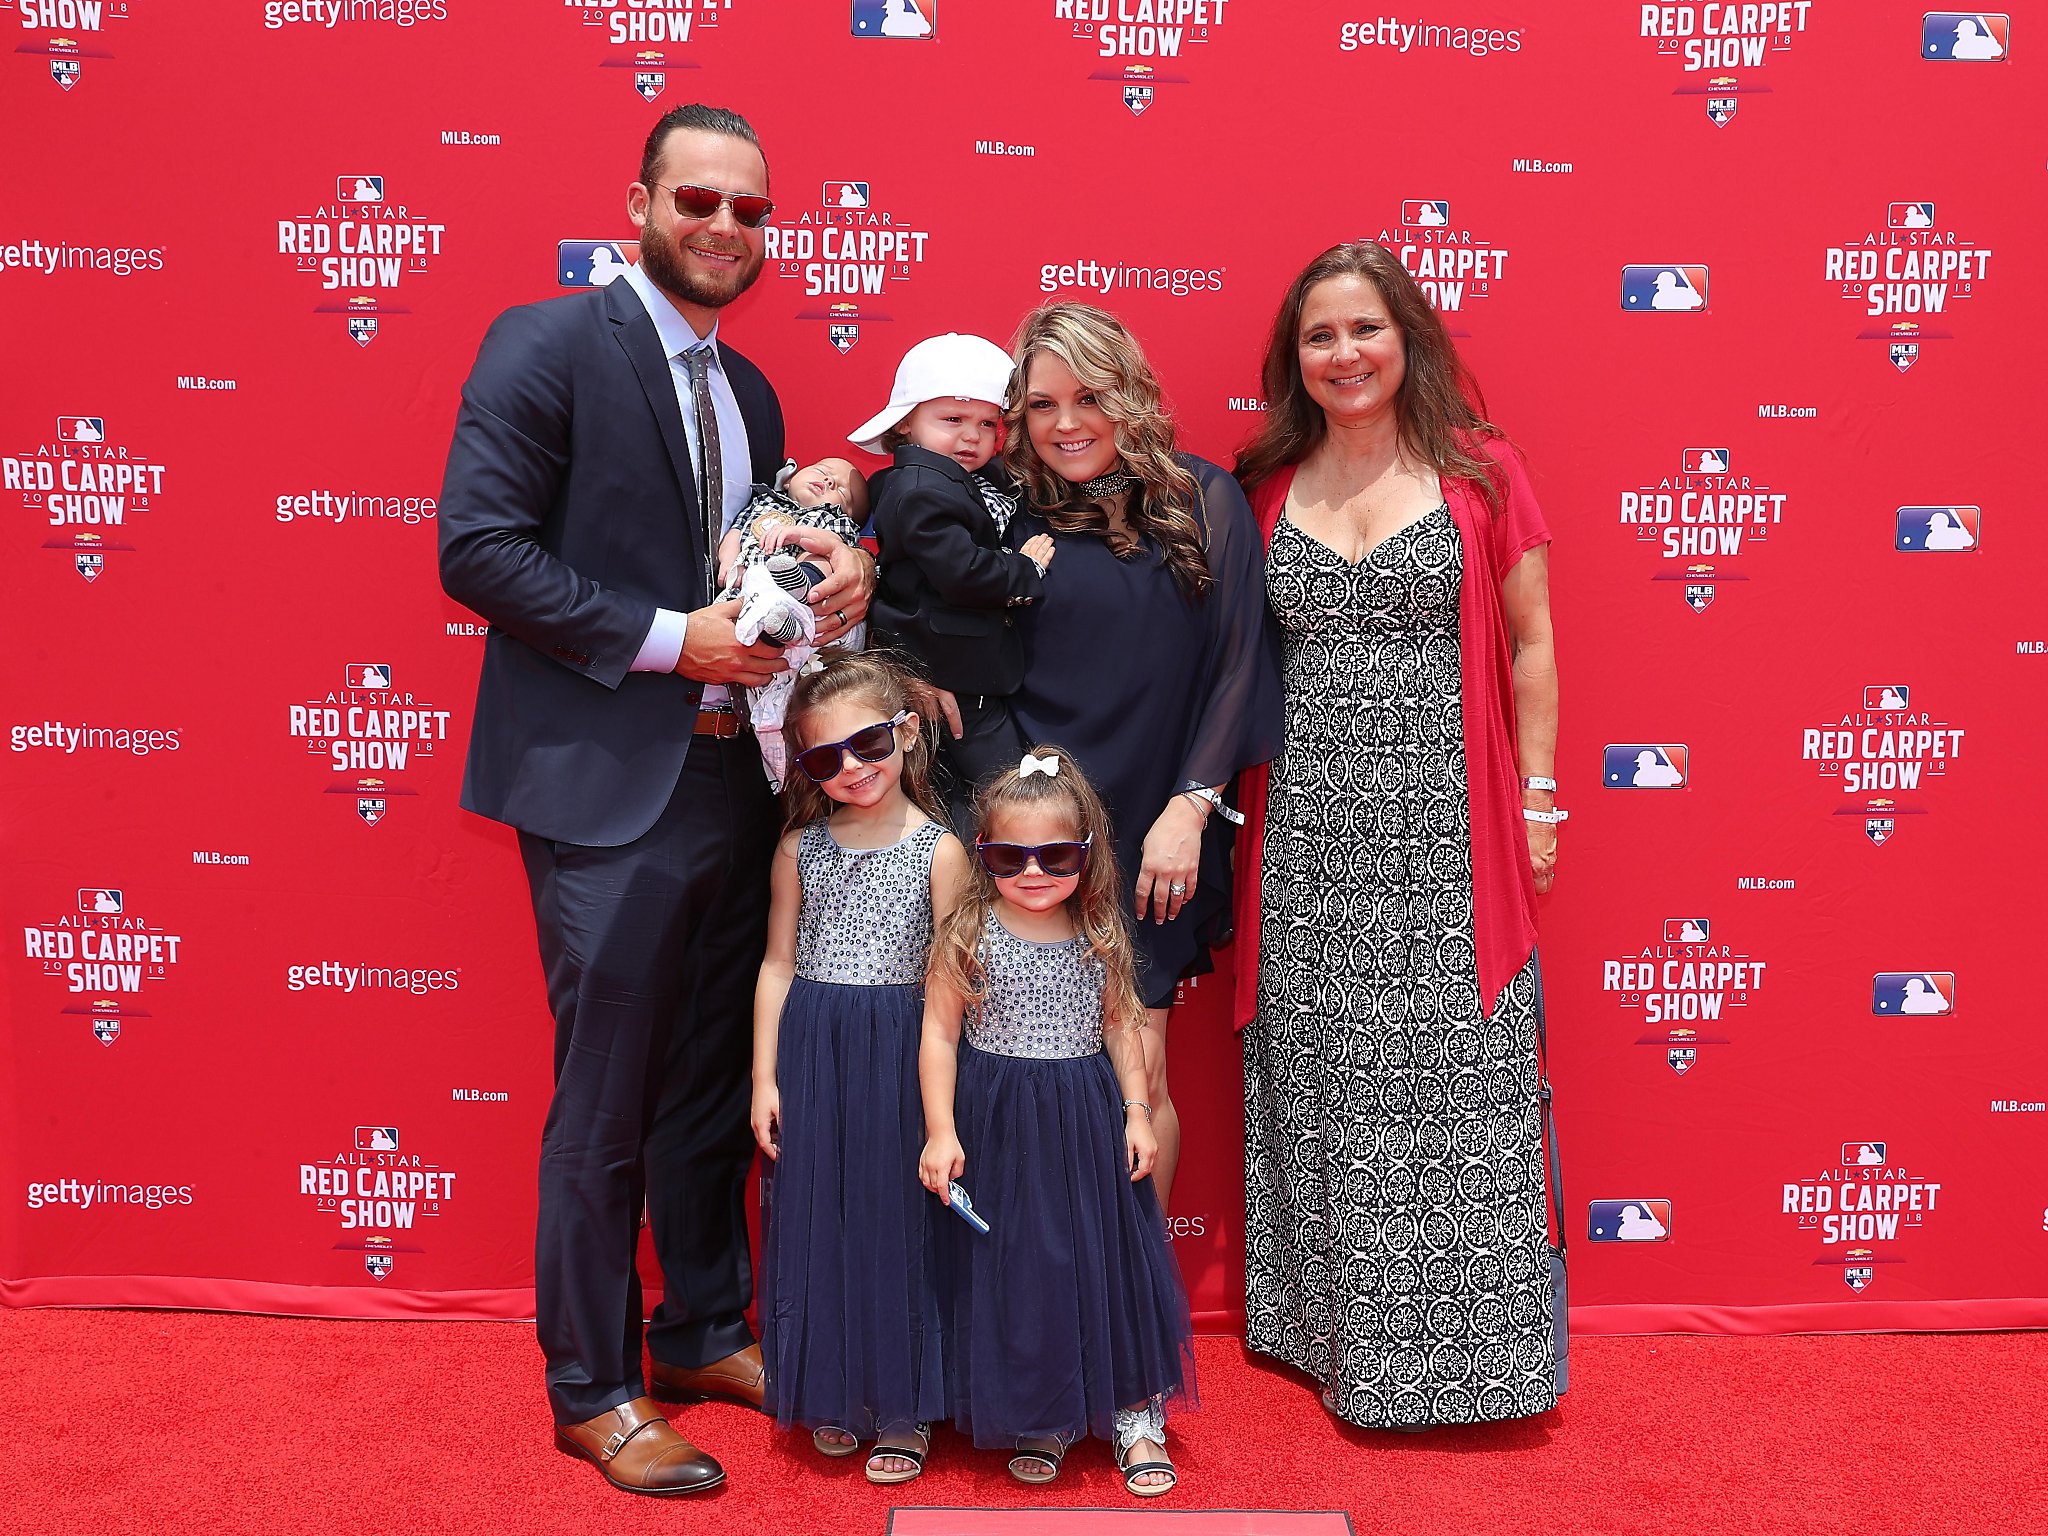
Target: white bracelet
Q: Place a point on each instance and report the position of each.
(1215, 802)
(1537, 781)
(1552, 817)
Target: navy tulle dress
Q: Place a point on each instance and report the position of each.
(1070, 1307)
(850, 1326)
(1152, 690)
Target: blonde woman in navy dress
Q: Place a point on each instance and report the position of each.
(851, 1332)
(1066, 1315)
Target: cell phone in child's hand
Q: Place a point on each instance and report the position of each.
(962, 1205)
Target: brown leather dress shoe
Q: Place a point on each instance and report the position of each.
(738, 1378)
(637, 1449)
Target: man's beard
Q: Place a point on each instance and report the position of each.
(663, 261)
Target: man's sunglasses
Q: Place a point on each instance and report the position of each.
(1006, 861)
(871, 743)
(694, 202)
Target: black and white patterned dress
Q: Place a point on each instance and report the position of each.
(1394, 1214)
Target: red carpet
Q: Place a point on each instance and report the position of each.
(166, 1423)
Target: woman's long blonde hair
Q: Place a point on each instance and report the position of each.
(873, 677)
(1093, 906)
(1107, 361)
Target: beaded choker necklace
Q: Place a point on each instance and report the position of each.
(1115, 483)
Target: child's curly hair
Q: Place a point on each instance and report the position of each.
(1093, 905)
(872, 677)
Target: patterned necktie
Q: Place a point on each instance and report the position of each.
(710, 466)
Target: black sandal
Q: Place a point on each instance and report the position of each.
(914, 1454)
(833, 1448)
(1145, 1423)
(1048, 1459)
(1133, 1470)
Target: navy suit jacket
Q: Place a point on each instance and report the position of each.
(568, 515)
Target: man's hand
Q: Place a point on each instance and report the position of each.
(841, 599)
(712, 652)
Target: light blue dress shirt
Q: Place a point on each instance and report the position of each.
(663, 646)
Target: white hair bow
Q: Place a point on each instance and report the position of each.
(1047, 765)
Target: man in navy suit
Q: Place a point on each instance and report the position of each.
(604, 442)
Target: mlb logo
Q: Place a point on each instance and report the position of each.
(371, 808)
(1681, 1058)
(1858, 1276)
(1879, 829)
(845, 194)
(1965, 37)
(593, 263)
(1863, 1154)
(649, 82)
(1905, 354)
(106, 1031)
(1909, 216)
(1686, 930)
(1629, 1221)
(1887, 696)
(1426, 214)
(96, 898)
(842, 336)
(1703, 461)
(1938, 530)
(359, 189)
(90, 563)
(363, 328)
(64, 72)
(1673, 289)
(359, 675)
(378, 1264)
(914, 19)
(1138, 98)
(1645, 765)
(1913, 994)
(376, 1138)
(81, 429)
(1698, 594)
(1721, 110)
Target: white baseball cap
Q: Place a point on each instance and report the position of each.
(948, 367)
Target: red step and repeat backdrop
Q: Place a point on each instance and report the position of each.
(1756, 286)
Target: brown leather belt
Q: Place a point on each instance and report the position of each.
(722, 723)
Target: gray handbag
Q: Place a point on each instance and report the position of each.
(1560, 1334)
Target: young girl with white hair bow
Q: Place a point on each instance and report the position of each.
(1065, 1312)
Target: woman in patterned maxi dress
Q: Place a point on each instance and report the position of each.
(1396, 1228)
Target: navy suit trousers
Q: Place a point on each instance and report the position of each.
(651, 951)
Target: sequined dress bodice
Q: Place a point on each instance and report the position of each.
(1044, 1000)
(867, 912)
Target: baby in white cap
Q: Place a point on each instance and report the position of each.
(948, 583)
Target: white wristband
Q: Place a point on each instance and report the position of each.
(1537, 781)
(1552, 817)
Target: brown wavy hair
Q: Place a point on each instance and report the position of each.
(872, 677)
(1109, 363)
(1439, 407)
(1093, 906)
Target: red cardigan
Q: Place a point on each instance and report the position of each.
(1503, 889)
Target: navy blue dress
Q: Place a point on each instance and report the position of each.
(1070, 1306)
(850, 1327)
(1150, 689)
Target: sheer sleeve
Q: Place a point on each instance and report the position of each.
(1239, 720)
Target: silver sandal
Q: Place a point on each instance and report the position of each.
(1143, 1423)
